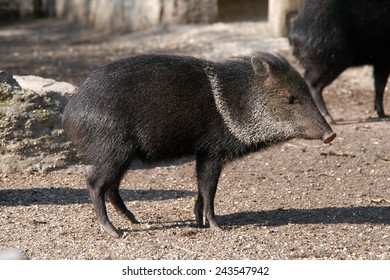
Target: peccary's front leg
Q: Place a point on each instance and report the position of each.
(208, 170)
(381, 73)
(316, 93)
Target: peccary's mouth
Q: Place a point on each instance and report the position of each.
(328, 137)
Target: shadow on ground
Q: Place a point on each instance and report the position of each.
(282, 217)
(277, 217)
(65, 196)
(328, 215)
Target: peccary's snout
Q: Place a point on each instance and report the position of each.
(329, 136)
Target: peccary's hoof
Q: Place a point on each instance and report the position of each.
(379, 110)
(200, 224)
(329, 136)
(129, 216)
(110, 230)
(216, 228)
(132, 219)
(213, 224)
(208, 224)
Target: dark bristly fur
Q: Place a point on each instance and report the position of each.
(158, 107)
(330, 36)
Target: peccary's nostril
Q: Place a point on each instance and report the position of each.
(329, 136)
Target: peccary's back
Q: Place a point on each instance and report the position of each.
(349, 30)
(160, 104)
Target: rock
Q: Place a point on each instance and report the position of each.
(11, 254)
(40, 84)
(31, 134)
(7, 79)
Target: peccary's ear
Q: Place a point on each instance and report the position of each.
(260, 66)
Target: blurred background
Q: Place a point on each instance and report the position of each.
(133, 15)
(66, 39)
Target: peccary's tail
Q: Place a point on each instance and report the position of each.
(96, 135)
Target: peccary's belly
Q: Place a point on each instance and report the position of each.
(169, 138)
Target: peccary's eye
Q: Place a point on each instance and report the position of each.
(291, 99)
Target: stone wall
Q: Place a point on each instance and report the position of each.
(135, 15)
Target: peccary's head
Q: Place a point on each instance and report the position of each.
(274, 105)
(284, 100)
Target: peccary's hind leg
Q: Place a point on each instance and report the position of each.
(105, 179)
(208, 170)
(119, 205)
(98, 185)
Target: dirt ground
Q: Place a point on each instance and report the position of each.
(299, 200)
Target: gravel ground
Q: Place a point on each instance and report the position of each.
(299, 200)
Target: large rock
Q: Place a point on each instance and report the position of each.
(31, 135)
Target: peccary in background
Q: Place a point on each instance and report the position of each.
(157, 107)
(331, 35)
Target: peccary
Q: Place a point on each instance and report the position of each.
(330, 36)
(157, 107)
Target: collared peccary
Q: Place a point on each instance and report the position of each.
(331, 35)
(158, 107)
